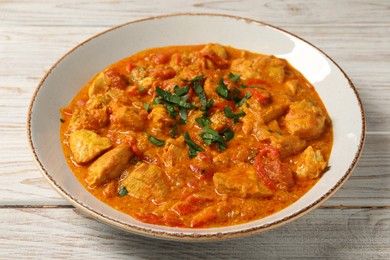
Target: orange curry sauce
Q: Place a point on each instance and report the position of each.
(197, 136)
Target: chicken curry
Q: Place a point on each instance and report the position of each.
(197, 136)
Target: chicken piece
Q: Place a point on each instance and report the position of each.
(109, 166)
(215, 53)
(240, 182)
(92, 119)
(218, 211)
(175, 151)
(291, 87)
(99, 85)
(310, 164)
(275, 69)
(305, 120)
(219, 121)
(209, 88)
(245, 67)
(252, 120)
(161, 122)
(287, 144)
(87, 145)
(147, 182)
(98, 101)
(274, 126)
(127, 117)
(276, 109)
(262, 67)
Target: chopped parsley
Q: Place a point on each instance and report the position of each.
(147, 107)
(203, 121)
(62, 120)
(173, 131)
(193, 147)
(181, 91)
(210, 136)
(156, 142)
(228, 134)
(122, 191)
(234, 77)
(173, 99)
(244, 99)
(183, 115)
(229, 114)
(222, 89)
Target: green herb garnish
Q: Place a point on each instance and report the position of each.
(122, 191)
(193, 147)
(155, 141)
(173, 131)
(197, 78)
(234, 77)
(200, 92)
(174, 99)
(244, 99)
(203, 121)
(147, 107)
(229, 114)
(228, 134)
(183, 115)
(210, 136)
(181, 91)
(222, 89)
(62, 120)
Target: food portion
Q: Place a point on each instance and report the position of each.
(197, 136)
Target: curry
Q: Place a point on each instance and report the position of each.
(197, 136)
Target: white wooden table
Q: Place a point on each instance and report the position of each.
(35, 222)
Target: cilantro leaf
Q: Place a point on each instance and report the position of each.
(168, 97)
(156, 142)
(234, 77)
(202, 96)
(203, 121)
(147, 107)
(193, 147)
(247, 96)
(228, 134)
(222, 89)
(229, 114)
(122, 191)
(181, 91)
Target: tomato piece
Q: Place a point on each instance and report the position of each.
(262, 96)
(255, 82)
(130, 67)
(163, 73)
(216, 59)
(220, 105)
(160, 58)
(117, 79)
(271, 170)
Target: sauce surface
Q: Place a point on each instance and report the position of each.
(197, 136)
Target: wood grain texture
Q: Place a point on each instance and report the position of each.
(325, 233)
(354, 223)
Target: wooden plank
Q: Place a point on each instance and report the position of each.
(110, 13)
(65, 233)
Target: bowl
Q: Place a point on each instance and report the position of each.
(78, 66)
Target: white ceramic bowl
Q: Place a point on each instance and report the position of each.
(77, 67)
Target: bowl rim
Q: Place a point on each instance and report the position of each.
(178, 236)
